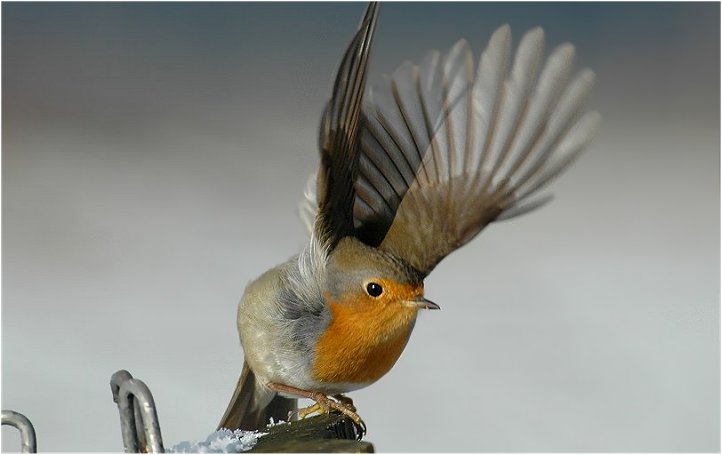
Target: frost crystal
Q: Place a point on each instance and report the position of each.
(221, 441)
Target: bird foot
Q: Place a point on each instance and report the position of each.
(323, 404)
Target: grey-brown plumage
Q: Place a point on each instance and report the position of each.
(409, 172)
(244, 412)
(293, 289)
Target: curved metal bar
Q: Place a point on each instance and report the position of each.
(128, 427)
(139, 430)
(27, 431)
(138, 417)
(116, 380)
(143, 400)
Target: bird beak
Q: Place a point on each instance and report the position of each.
(422, 303)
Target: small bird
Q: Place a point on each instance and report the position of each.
(409, 172)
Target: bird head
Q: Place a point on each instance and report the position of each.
(367, 278)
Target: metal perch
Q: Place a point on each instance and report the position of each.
(138, 417)
(27, 431)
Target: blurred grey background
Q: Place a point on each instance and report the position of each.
(154, 154)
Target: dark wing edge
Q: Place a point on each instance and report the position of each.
(338, 139)
(444, 151)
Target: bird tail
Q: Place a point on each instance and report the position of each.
(253, 405)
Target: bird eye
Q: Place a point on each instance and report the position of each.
(374, 289)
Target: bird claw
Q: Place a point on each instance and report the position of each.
(342, 404)
(346, 401)
(323, 404)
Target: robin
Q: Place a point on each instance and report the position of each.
(409, 173)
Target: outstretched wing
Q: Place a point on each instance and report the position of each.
(339, 139)
(445, 151)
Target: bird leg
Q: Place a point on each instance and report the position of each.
(323, 403)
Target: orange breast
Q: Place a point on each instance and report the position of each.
(362, 342)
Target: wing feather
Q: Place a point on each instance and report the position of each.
(480, 144)
(339, 139)
(443, 151)
(493, 66)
